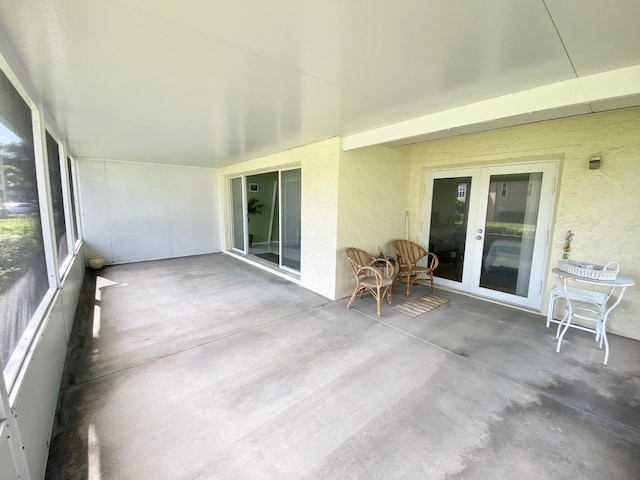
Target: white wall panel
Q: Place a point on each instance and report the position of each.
(7, 468)
(34, 404)
(34, 398)
(194, 207)
(94, 211)
(71, 291)
(138, 211)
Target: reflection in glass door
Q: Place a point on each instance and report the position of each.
(448, 226)
(510, 227)
(291, 220)
(489, 228)
(237, 214)
(263, 216)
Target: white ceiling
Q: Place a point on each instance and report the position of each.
(208, 83)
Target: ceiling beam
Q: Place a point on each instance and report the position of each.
(623, 82)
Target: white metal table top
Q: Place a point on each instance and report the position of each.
(619, 281)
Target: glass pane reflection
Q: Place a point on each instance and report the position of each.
(447, 231)
(512, 213)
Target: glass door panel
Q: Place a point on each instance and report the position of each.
(237, 214)
(263, 216)
(290, 182)
(448, 226)
(510, 228)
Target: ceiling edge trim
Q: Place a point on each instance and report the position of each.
(601, 86)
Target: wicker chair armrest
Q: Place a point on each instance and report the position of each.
(375, 270)
(403, 262)
(388, 270)
(434, 260)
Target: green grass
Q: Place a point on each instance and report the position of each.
(506, 228)
(18, 225)
(20, 242)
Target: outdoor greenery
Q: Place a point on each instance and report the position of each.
(20, 241)
(496, 228)
(503, 228)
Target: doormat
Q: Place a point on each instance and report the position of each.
(420, 305)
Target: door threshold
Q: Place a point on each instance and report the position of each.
(265, 265)
(536, 311)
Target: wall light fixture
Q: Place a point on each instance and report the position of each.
(594, 162)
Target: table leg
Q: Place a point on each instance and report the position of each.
(568, 313)
(605, 317)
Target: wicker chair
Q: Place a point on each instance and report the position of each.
(377, 280)
(408, 255)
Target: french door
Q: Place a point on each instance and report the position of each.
(489, 227)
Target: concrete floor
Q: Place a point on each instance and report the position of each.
(208, 368)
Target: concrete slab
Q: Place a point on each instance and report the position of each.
(208, 368)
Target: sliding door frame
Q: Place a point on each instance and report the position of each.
(241, 221)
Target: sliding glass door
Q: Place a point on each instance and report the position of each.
(236, 196)
(291, 221)
(265, 217)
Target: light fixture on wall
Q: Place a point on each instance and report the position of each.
(594, 162)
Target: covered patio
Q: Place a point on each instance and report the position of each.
(207, 367)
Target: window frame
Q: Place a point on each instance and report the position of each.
(65, 263)
(15, 367)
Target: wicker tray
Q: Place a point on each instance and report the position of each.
(589, 270)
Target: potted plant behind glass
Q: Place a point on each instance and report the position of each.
(254, 207)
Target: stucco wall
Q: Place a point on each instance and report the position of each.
(373, 193)
(600, 206)
(319, 164)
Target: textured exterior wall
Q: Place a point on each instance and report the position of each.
(373, 193)
(600, 206)
(320, 217)
(319, 164)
